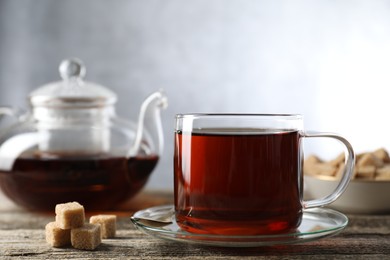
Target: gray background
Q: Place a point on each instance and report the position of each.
(328, 60)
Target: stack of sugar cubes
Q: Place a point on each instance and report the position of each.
(69, 227)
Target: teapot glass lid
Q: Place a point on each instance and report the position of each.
(72, 91)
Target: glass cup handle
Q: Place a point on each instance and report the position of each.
(347, 173)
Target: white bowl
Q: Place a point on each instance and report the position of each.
(360, 197)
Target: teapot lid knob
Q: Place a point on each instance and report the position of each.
(72, 68)
(72, 91)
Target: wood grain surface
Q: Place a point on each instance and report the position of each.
(22, 236)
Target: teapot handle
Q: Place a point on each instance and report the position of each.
(150, 108)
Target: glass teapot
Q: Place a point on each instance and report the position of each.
(73, 147)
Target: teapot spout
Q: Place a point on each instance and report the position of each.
(149, 124)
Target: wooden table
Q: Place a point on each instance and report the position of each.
(22, 236)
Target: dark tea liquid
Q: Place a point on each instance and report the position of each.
(232, 182)
(98, 182)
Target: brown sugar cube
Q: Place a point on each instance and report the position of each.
(383, 173)
(370, 159)
(56, 236)
(327, 169)
(87, 237)
(382, 154)
(309, 165)
(308, 169)
(359, 156)
(340, 172)
(322, 169)
(382, 177)
(365, 172)
(339, 160)
(312, 159)
(107, 223)
(384, 170)
(70, 215)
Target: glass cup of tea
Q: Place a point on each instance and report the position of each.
(242, 174)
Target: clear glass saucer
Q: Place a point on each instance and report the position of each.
(316, 223)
